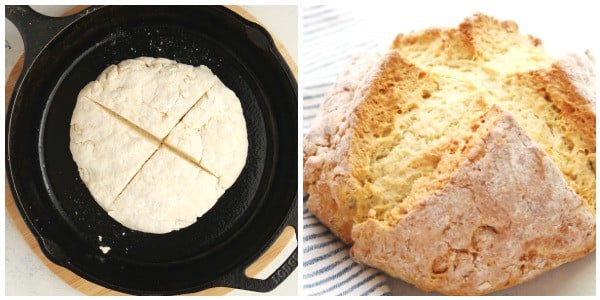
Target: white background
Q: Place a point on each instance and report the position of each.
(25, 274)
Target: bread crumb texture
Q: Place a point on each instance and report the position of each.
(462, 160)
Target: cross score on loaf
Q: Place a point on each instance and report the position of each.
(147, 138)
(461, 161)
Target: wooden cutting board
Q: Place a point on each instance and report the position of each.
(88, 287)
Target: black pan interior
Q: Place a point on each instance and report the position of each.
(58, 205)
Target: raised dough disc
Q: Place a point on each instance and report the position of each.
(214, 135)
(169, 193)
(107, 152)
(117, 133)
(152, 93)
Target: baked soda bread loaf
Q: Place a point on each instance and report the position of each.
(461, 161)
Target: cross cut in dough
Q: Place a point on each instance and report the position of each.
(157, 142)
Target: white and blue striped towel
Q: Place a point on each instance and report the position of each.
(331, 36)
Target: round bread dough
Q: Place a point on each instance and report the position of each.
(147, 138)
(108, 152)
(200, 133)
(152, 93)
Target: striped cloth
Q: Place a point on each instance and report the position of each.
(328, 268)
(331, 36)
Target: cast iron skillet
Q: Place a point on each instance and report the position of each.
(61, 56)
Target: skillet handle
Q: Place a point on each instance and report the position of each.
(239, 280)
(37, 30)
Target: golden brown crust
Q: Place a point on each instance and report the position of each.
(327, 149)
(579, 68)
(559, 90)
(480, 30)
(489, 228)
(335, 176)
(424, 37)
(392, 91)
(571, 104)
(554, 85)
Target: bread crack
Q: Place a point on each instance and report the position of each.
(131, 179)
(160, 142)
